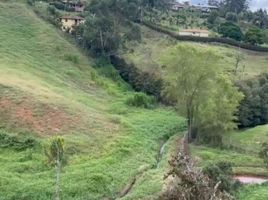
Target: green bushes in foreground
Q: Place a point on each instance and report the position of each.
(11, 141)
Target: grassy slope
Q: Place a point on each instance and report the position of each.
(43, 75)
(146, 54)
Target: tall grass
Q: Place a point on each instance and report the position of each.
(108, 142)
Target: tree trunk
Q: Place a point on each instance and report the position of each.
(189, 124)
(58, 170)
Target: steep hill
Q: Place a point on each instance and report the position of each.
(48, 87)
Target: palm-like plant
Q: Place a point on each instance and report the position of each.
(54, 152)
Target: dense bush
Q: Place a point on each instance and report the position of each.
(253, 109)
(141, 100)
(254, 36)
(59, 5)
(221, 172)
(141, 81)
(230, 30)
(10, 141)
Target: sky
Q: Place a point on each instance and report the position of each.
(254, 5)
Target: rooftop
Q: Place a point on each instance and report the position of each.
(195, 30)
(72, 17)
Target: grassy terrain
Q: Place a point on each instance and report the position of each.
(48, 87)
(258, 192)
(147, 54)
(242, 149)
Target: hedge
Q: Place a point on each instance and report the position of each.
(206, 39)
(139, 80)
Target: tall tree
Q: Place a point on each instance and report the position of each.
(236, 6)
(193, 81)
(214, 2)
(260, 18)
(54, 152)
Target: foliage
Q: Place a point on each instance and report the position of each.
(253, 109)
(221, 172)
(55, 155)
(31, 2)
(146, 82)
(106, 139)
(208, 100)
(13, 142)
(141, 100)
(230, 30)
(193, 184)
(264, 153)
(212, 17)
(236, 6)
(133, 33)
(230, 16)
(54, 150)
(254, 36)
(103, 39)
(260, 18)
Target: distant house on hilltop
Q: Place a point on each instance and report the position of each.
(69, 22)
(194, 32)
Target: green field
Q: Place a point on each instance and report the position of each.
(147, 54)
(48, 87)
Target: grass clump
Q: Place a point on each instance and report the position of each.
(141, 100)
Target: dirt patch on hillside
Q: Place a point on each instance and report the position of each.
(41, 118)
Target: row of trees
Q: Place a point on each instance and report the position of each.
(253, 36)
(236, 12)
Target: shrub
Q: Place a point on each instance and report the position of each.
(230, 30)
(221, 172)
(254, 36)
(253, 109)
(10, 141)
(58, 5)
(141, 100)
(72, 58)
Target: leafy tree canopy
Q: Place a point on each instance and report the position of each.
(254, 36)
(230, 30)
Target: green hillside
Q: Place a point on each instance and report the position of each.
(48, 87)
(147, 54)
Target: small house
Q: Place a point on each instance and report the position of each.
(194, 32)
(69, 22)
(205, 8)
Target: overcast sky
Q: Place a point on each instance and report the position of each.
(254, 5)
